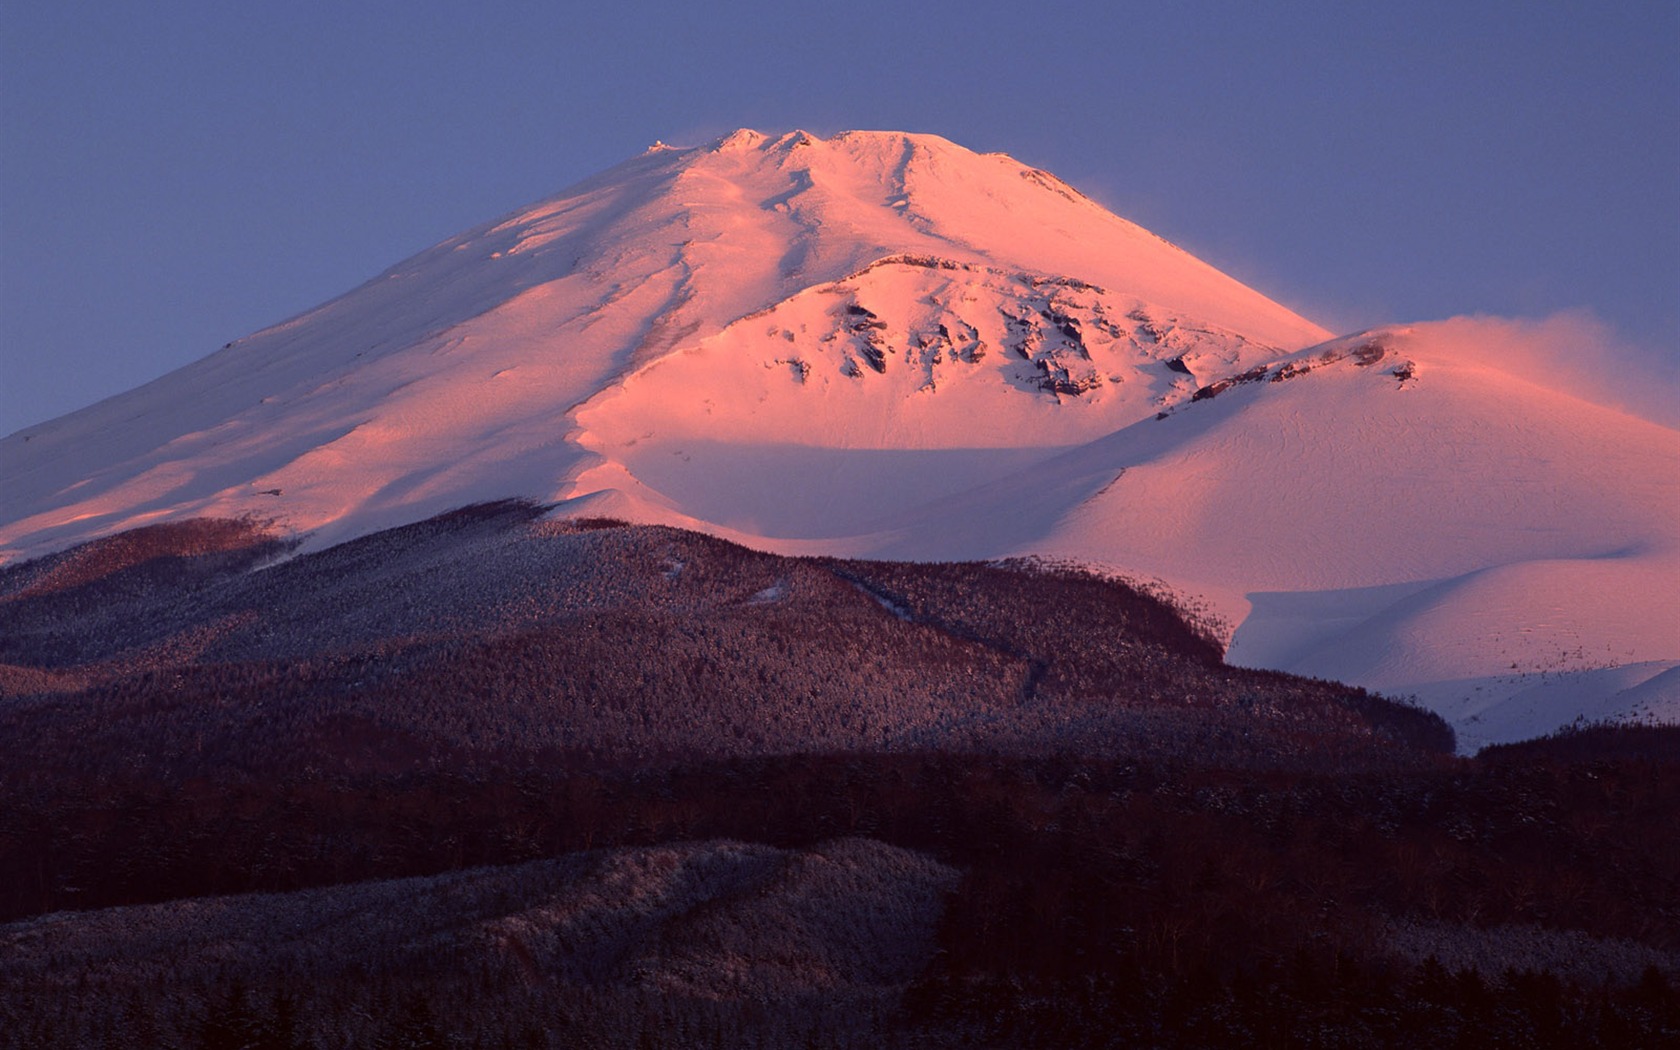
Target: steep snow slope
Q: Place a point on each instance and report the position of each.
(455, 376)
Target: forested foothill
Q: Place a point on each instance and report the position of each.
(495, 780)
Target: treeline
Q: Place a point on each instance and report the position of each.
(484, 640)
(1308, 1001)
(1101, 901)
(167, 555)
(1554, 845)
(1156, 848)
(605, 948)
(1591, 742)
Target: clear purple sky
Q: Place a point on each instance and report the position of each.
(176, 175)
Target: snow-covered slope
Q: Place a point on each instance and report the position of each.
(1382, 510)
(456, 375)
(886, 344)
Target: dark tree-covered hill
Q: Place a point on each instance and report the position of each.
(644, 787)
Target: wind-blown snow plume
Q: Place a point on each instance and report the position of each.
(1572, 351)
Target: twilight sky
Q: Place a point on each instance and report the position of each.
(176, 175)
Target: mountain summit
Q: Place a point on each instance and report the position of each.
(883, 344)
(461, 373)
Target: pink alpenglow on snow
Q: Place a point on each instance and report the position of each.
(884, 344)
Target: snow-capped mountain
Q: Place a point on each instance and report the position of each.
(884, 344)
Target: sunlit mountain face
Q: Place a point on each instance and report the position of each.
(882, 344)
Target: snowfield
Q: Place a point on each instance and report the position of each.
(886, 345)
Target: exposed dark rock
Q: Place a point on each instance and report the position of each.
(1213, 390)
(1368, 354)
(1056, 379)
(874, 356)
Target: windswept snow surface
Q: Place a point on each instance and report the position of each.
(1372, 511)
(885, 344)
